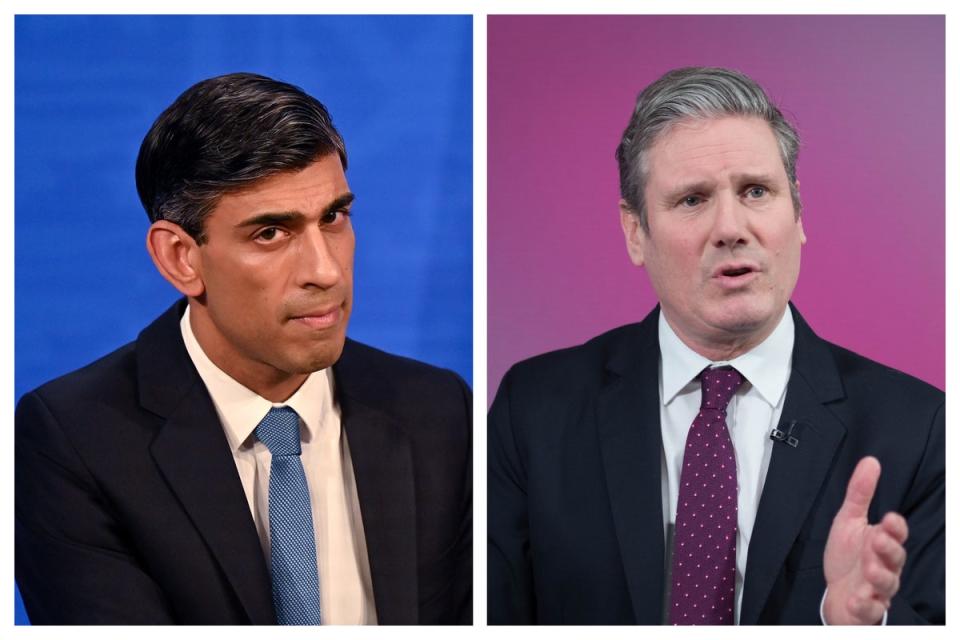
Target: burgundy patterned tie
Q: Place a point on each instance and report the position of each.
(705, 537)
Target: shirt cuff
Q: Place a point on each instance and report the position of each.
(823, 620)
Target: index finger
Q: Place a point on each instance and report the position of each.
(896, 526)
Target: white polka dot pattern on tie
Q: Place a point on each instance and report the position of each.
(704, 553)
(293, 554)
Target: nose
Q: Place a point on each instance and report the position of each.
(730, 222)
(317, 264)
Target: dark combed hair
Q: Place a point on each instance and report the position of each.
(223, 134)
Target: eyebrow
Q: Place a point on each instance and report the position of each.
(281, 217)
(754, 178)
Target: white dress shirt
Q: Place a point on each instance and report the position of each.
(752, 414)
(346, 591)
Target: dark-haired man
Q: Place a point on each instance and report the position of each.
(243, 461)
(716, 463)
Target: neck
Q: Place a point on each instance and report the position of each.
(266, 381)
(721, 346)
(275, 390)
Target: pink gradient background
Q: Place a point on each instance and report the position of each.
(865, 92)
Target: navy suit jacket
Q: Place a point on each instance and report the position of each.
(129, 508)
(576, 532)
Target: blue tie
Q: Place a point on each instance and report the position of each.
(293, 553)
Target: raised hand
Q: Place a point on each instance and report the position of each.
(862, 562)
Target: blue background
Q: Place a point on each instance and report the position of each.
(87, 88)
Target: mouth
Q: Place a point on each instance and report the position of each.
(734, 275)
(322, 318)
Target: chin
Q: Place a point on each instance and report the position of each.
(745, 317)
(321, 358)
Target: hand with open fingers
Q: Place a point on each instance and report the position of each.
(862, 563)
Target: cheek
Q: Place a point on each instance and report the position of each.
(682, 261)
(243, 285)
(786, 258)
(344, 255)
(675, 268)
(345, 259)
(346, 248)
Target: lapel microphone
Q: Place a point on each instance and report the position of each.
(791, 437)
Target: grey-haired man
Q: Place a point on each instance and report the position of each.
(717, 463)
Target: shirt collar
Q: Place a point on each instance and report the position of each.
(766, 366)
(241, 409)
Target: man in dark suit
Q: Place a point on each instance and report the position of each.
(717, 463)
(243, 461)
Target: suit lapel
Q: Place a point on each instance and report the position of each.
(382, 460)
(628, 419)
(192, 454)
(796, 474)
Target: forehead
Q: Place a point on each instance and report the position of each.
(306, 190)
(711, 149)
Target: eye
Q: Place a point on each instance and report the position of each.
(268, 234)
(756, 192)
(690, 201)
(335, 217)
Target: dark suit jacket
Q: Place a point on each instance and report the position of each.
(574, 507)
(129, 508)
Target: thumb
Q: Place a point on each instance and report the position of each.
(860, 490)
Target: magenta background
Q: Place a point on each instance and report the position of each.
(867, 95)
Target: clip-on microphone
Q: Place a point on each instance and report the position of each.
(789, 437)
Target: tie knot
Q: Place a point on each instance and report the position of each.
(717, 386)
(280, 431)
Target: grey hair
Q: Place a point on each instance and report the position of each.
(696, 93)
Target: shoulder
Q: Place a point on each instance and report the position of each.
(82, 412)
(583, 368)
(840, 373)
(852, 383)
(369, 369)
(885, 412)
(116, 382)
(402, 387)
(359, 359)
(104, 401)
(105, 381)
(871, 381)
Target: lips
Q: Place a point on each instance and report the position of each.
(320, 318)
(734, 270)
(735, 276)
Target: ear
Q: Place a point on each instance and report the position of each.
(176, 256)
(633, 233)
(803, 236)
